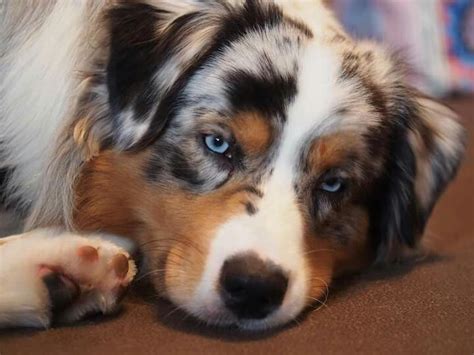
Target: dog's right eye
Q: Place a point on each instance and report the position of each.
(217, 144)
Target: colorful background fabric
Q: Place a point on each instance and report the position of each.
(435, 36)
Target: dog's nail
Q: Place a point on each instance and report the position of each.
(120, 265)
(88, 253)
(62, 291)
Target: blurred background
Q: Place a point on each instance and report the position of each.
(436, 37)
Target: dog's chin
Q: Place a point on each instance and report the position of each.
(225, 319)
(216, 315)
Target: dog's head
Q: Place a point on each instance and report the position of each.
(254, 155)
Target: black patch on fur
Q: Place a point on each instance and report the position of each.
(134, 57)
(250, 208)
(20, 208)
(395, 218)
(182, 170)
(3, 184)
(376, 97)
(153, 167)
(269, 95)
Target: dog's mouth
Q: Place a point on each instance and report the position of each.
(246, 293)
(214, 312)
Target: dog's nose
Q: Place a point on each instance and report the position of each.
(252, 288)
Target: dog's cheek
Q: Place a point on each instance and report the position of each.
(319, 254)
(181, 226)
(355, 253)
(338, 248)
(182, 274)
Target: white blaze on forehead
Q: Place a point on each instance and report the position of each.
(276, 231)
(316, 98)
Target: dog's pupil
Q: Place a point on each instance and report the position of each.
(218, 141)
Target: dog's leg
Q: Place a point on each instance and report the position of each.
(48, 275)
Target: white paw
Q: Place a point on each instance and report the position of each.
(47, 274)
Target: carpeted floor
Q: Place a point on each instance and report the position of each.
(413, 308)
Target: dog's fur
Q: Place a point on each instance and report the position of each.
(103, 110)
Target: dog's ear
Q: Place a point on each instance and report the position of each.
(151, 49)
(426, 146)
(129, 98)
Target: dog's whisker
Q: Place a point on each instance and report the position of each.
(148, 274)
(322, 303)
(174, 310)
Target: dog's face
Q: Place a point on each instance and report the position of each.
(254, 157)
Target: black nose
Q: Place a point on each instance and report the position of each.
(252, 288)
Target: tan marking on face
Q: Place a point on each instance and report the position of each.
(105, 194)
(253, 132)
(321, 149)
(333, 150)
(173, 227)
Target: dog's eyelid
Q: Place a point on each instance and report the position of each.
(333, 173)
(220, 130)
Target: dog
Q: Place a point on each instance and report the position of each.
(252, 150)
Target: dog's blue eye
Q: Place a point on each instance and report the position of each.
(216, 144)
(332, 185)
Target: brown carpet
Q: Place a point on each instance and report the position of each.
(427, 308)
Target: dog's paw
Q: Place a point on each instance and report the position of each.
(61, 276)
(92, 278)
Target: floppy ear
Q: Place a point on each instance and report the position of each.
(426, 147)
(129, 97)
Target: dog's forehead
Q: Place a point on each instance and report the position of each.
(294, 82)
(325, 102)
(256, 71)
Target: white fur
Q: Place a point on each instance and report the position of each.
(36, 92)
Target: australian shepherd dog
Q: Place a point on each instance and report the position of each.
(251, 150)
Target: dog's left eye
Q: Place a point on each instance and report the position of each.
(332, 185)
(216, 144)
